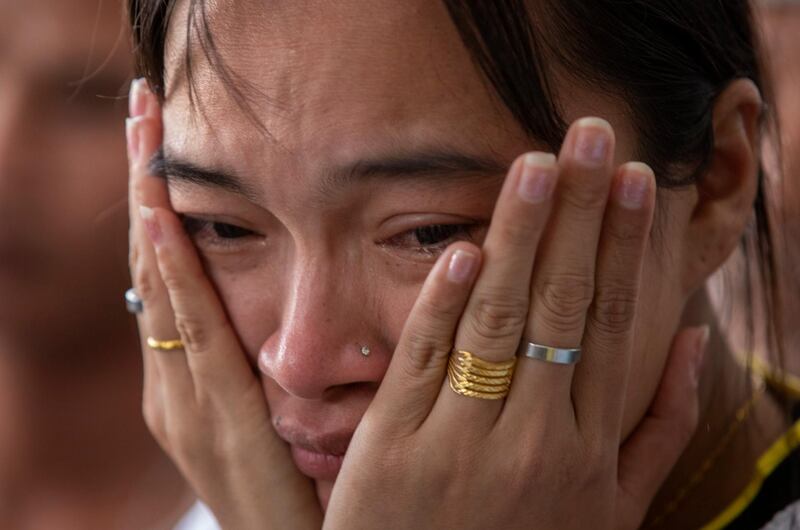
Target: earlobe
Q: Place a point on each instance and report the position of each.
(726, 191)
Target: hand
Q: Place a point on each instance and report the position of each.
(203, 404)
(551, 455)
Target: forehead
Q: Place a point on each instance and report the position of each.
(328, 79)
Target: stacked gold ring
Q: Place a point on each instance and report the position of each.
(474, 377)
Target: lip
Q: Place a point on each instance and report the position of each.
(316, 455)
(319, 466)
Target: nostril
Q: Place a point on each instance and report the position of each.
(309, 373)
(299, 374)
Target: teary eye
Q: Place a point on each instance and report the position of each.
(229, 231)
(209, 235)
(433, 234)
(195, 226)
(431, 240)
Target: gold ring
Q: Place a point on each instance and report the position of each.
(474, 377)
(165, 345)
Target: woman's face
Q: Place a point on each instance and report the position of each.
(320, 235)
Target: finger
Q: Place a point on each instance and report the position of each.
(166, 375)
(218, 365)
(650, 453)
(414, 377)
(599, 390)
(495, 316)
(563, 279)
(137, 108)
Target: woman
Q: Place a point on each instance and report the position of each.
(340, 221)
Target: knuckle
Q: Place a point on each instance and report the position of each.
(614, 308)
(147, 284)
(425, 351)
(626, 233)
(430, 340)
(438, 316)
(597, 466)
(175, 281)
(133, 253)
(499, 314)
(138, 187)
(596, 452)
(560, 471)
(193, 333)
(519, 233)
(586, 199)
(564, 300)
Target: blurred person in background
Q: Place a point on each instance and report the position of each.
(74, 451)
(781, 22)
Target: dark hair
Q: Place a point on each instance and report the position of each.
(667, 60)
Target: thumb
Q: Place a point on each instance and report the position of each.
(651, 452)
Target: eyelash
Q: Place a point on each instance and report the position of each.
(221, 234)
(429, 240)
(438, 237)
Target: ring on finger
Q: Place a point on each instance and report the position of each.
(471, 376)
(164, 345)
(550, 354)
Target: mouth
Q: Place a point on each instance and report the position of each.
(317, 455)
(319, 466)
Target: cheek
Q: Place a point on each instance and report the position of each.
(376, 297)
(658, 317)
(252, 300)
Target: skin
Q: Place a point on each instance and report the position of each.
(345, 85)
(74, 452)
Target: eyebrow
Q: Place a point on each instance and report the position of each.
(435, 165)
(172, 168)
(427, 165)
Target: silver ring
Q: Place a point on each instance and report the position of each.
(132, 302)
(550, 354)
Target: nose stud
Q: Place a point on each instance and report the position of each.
(365, 351)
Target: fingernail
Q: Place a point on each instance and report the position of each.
(137, 105)
(151, 225)
(461, 267)
(632, 190)
(132, 133)
(701, 343)
(592, 146)
(538, 177)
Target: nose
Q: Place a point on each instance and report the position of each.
(329, 338)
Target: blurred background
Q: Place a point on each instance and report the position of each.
(74, 450)
(780, 22)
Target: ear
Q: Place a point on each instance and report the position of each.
(726, 192)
